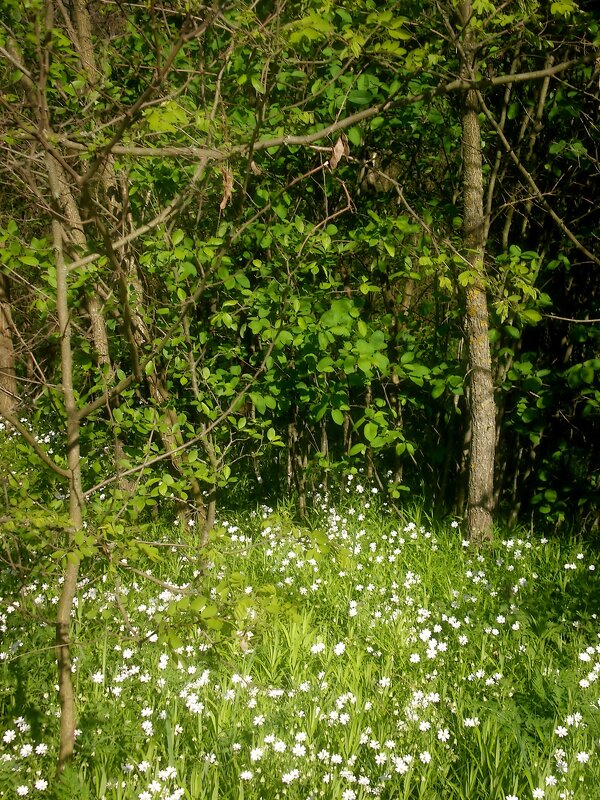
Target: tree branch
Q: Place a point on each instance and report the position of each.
(33, 443)
(533, 185)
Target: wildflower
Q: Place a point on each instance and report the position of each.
(583, 757)
(41, 785)
(246, 775)
(348, 794)
(471, 722)
(425, 757)
(317, 648)
(551, 780)
(9, 736)
(97, 677)
(443, 734)
(299, 750)
(258, 721)
(339, 649)
(256, 754)
(561, 732)
(41, 749)
(22, 790)
(166, 774)
(538, 793)
(289, 777)
(511, 797)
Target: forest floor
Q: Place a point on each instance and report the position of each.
(363, 655)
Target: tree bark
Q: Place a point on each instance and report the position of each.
(8, 382)
(480, 499)
(76, 498)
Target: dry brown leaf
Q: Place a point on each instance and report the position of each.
(340, 149)
(227, 174)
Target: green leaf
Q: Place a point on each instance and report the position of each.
(31, 261)
(337, 416)
(360, 97)
(531, 316)
(371, 430)
(356, 449)
(354, 136)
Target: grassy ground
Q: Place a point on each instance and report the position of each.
(363, 656)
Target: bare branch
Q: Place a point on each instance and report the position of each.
(533, 185)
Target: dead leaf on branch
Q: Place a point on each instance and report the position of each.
(340, 149)
(227, 174)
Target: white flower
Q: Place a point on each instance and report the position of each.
(289, 777)
(425, 757)
(41, 785)
(339, 649)
(561, 732)
(443, 734)
(9, 736)
(22, 790)
(583, 757)
(317, 648)
(256, 754)
(258, 720)
(538, 793)
(299, 750)
(511, 797)
(471, 722)
(246, 775)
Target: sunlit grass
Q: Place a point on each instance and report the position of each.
(361, 656)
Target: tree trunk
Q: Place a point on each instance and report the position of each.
(8, 383)
(76, 498)
(482, 410)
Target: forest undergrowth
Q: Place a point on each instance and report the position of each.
(361, 655)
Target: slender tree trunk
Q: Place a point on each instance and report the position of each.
(480, 498)
(8, 383)
(76, 501)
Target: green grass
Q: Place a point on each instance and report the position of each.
(362, 656)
